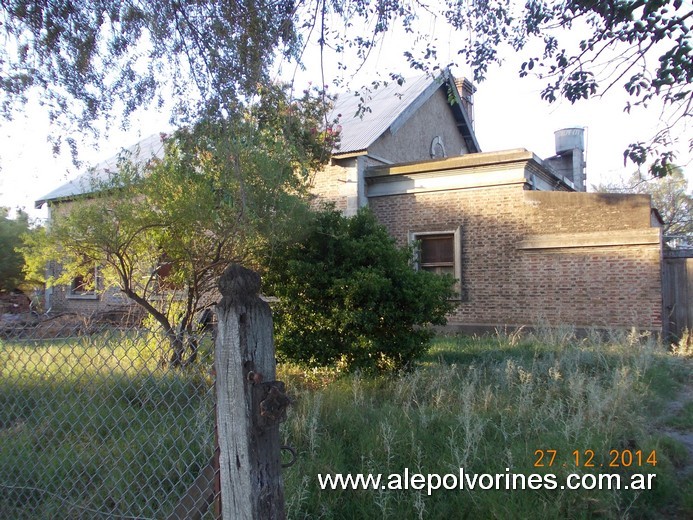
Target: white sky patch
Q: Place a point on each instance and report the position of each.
(508, 113)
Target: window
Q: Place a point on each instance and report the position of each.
(84, 285)
(440, 252)
(437, 253)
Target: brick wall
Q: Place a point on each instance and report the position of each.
(594, 281)
(330, 184)
(62, 301)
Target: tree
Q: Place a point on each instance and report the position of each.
(164, 232)
(11, 261)
(91, 58)
(349, 296)
(671, 197)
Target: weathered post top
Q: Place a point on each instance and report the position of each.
(238, 286)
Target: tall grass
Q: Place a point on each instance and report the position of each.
(486, 405)
(97, 427)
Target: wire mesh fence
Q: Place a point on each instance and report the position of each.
(94, 423)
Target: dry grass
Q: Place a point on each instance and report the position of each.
(487, 404)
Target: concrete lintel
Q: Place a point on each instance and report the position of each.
(451, 163)
(407, 184)
(628, 237)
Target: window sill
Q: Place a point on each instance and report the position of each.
(82, 296)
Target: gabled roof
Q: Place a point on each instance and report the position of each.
(364, 117)
(149, 148)
(386, 108)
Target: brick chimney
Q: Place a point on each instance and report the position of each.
(466, 90)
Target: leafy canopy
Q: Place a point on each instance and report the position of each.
(90, 58)
(225, 191)
(349, 296)
(11, 261)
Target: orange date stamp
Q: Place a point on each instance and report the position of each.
(625, 458)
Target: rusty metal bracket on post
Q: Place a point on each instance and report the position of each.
(272, 403)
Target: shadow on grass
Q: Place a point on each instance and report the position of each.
(89, 439)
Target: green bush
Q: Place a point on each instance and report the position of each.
(349, 296)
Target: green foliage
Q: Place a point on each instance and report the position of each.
(349, 296)
(485, 404)
(163, 232)
(88, 59)
(108, 430)
(643, 47)
(11, 261)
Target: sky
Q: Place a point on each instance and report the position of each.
(508, 113)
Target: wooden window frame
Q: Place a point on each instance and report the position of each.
(456, 235)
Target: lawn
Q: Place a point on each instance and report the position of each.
(99, 427)
(96, 427)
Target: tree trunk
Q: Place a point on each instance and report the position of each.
(177, 342)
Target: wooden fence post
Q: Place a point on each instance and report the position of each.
(250, 403)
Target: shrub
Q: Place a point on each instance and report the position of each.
(348, 295)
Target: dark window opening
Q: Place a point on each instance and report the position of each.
(437, 253)
(84, 284)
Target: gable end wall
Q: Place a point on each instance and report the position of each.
(412, 141)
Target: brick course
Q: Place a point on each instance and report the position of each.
(590, 286)
(329, 185)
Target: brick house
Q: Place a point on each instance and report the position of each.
(525, 256)
(79, 297)
(525, 241)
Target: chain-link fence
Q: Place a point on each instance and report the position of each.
(95, 423)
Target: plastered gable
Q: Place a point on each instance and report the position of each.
(412, 141)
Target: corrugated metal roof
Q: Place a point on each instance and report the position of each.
(143, 151)
(382, 108)
(363, 118)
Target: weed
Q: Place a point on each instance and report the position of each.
(94, 424)
(684, 346)
(99, 423)
(486, 404)
(683, 420)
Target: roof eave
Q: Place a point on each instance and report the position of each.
(61, 199)
(349, 154)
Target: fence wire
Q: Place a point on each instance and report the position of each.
(95, 424)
